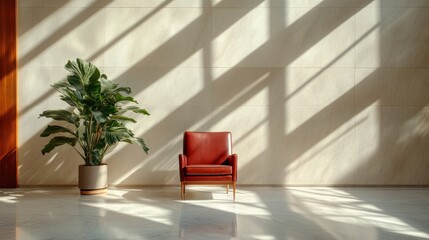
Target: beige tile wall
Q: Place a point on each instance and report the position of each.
(318, 92)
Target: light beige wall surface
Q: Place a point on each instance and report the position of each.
(314, 91)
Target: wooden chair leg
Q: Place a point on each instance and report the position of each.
(227, 187)
(234, 187)
(182, 191)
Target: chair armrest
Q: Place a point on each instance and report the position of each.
(183, 161)
(232, 160)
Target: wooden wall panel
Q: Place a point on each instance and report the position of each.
(8, 94)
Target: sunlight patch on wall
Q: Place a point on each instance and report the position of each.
(160, 40)
(293, 14)
(319, 160)
(52, 158)
(155, 155)
(65, 34)
(250, 137)
(60, 3)
(246, 88)
(322, 148)
(397, 3)
(160, 3)
(241, 3)
(368, 27)
(251, 145)
(319, 86)
(416, 127)
(368, 133)
(163, 86)
(233, 44)
(321, 38)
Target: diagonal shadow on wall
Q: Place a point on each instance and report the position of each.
(256, 58)
(247, 61)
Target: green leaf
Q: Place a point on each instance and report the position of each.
(123, 118)
(99, 117)
(73, 68)
(93, 88)
(96, 157)
(108, 110)
(113, 123)
(134, 109)
(61, 115)
(126, 90)
(73, 98)
(142, 111)
(101, 144)
(127, 140)
(61, 84)
(117, 134)
(82, 70)
(95, 76)
(76, 82)
(58, 141)
(90, 103)
(68, 100)
(107, 86)
(141, 142)
(119, 98)
(52, 129)
(87, 69)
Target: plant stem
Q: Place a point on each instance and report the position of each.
(104, 151)
(89, 141)
(79, 153)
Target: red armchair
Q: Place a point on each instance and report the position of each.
(207, 159)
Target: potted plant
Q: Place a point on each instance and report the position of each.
(94, 123)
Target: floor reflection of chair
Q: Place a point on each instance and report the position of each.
(197, 222)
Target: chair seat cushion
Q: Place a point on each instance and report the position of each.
(207, 179)
(208, 170)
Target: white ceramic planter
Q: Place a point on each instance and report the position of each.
(93, 179)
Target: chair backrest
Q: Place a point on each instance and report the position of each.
(207, 147)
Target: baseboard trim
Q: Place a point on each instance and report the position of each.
(246, 185)
(338, 185)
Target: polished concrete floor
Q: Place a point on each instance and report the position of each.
(210, 213)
